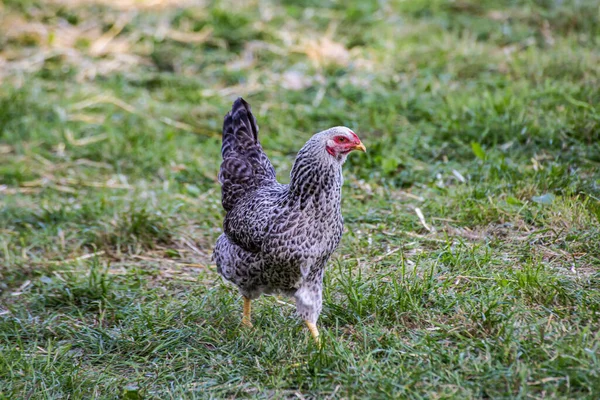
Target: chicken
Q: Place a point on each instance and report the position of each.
(277, 238)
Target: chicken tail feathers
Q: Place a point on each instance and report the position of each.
(245, 166)
(240, 129)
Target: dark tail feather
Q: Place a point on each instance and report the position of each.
(242, 108)
(239, 128)
(245, 166)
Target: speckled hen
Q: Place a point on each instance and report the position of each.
(277, 238)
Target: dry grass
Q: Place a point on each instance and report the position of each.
(131, 5)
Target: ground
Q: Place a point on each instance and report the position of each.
(470, 265)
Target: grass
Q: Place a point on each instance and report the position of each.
(484, 117)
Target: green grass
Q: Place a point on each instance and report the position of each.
(484, 116)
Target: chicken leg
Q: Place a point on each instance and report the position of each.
(314, 331)
(246, 319)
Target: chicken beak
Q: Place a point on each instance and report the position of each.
(360, 147)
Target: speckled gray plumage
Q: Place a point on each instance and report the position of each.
(277, 238)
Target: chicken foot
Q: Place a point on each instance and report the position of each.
(314, 331)
(246, 319)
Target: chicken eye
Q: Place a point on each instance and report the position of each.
(342, 139)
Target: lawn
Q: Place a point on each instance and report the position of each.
(470, 264)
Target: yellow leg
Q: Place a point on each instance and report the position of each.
(246, 318)
(313, 331)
